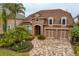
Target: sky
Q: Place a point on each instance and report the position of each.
(31, 8)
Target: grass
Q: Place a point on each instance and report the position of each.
(76, 50)
(6, 52)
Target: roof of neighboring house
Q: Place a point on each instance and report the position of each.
(45, 13)
(76, 19)
(20, 16)
(77, 16)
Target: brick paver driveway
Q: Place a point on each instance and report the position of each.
(51, 47)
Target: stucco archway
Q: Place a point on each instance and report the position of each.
(37, 30)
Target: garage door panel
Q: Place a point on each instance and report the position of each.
(57, 34)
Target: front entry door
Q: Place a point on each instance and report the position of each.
(37, 30)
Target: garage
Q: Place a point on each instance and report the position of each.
(57, 33)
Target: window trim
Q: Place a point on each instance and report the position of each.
(50, 18)
(64, 18)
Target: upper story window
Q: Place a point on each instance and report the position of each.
(50, 20)
(64, 21)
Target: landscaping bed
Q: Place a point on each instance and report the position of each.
(18, 40)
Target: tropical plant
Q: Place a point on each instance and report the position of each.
(4, 17)
(14, 36)
(75, 33)
(23, 46)
(9, 10)
(15, 8)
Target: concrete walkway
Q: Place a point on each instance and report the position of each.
(51, 47)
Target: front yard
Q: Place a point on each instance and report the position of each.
(76, 49)
(16, 42)
(6, 52)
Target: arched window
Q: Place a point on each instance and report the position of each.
(64, 20)
(50, 20)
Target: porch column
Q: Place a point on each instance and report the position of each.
(42, 30)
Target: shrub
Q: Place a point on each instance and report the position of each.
(23, 46)
(29, 38)
(75, 33)
(16, 35)
(41, 37)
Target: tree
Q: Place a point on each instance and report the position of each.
(15, 8)
(4, 17)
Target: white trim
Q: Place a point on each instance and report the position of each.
(50, 19)
(65, 20)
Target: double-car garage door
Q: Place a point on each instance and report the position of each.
(57, 33)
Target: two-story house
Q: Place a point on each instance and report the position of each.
(54, 23)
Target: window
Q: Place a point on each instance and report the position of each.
(29, 28)
(64, 20)
(8, 27)
(50, 20)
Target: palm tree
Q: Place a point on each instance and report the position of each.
(4, 17)
(15, 8)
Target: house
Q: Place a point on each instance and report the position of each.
(54, 23)
(76, 19)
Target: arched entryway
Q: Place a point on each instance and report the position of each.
(37, 30)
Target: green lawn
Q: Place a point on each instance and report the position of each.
(6, 52)
(76, 50)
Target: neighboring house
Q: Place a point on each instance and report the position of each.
(11, 22)
(76, 19)
(54, 23)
